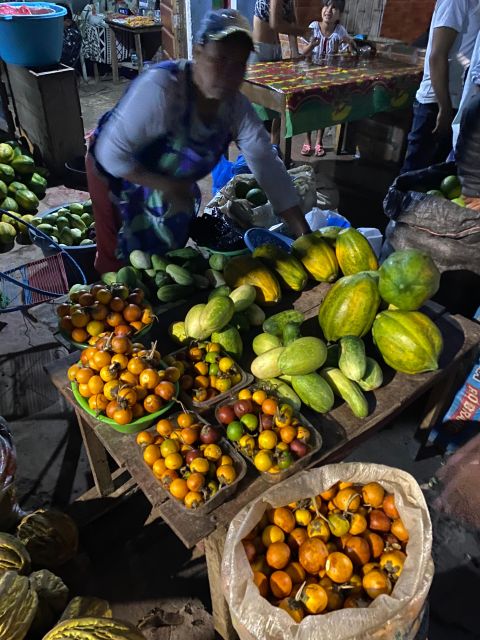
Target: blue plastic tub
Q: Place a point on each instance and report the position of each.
(35, 40)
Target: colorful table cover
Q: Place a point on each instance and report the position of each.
(339, 89)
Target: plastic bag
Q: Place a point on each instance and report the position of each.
(10, 512)
(221, 174)
(448, 232)
(397, 616)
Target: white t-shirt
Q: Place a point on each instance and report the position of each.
(327, 45)
(464, 17)
(472, 85)
(155, 105)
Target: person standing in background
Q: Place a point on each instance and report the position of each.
(455, 26)
(271, 18)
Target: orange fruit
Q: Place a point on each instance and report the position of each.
(314, 598)
(375, 542)
(98, 402)
(296, 572)
(389, 506)
(144, 437)
(174, 461)
(151, 454)
(261, 580)
(272, 534)
(280, 584)
(165, 427)
(178, 488)
(185, 419)
(297, 538)
(72, 372)
(79, 335)
(95, 384)
(168, 476)
(347, 499)
(373, 494)
(398, 529)
(159, 468)
(269, 406)
(84, 390)
(339, 567)
(193, 500)
(284, 519)
(152, 403)
(122, 416)
(377, 583)
(312, 555)
(357, 549)
(196, 481)
(278, 555)
(293, 607)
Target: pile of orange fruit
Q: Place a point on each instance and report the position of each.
(188, 458)
(123, 380)
(338, 550)
(207, 372)
(100, 308)
(264, 429)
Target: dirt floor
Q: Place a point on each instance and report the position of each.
(140, 569)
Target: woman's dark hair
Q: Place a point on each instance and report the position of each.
(69, 15)
(336, 4)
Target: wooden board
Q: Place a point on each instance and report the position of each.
(48, 111)
(340, 430)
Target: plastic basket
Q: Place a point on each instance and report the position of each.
(203, 407)
(225, 492)
(257, 236)
(132, 427)
(315, 444)
(26, 285)
(32, 40)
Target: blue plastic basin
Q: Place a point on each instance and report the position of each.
(32, 41)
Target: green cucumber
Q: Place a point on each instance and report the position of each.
(373, 377)
(346, 389)
(173, 292)
(179, 275)
(352, 360)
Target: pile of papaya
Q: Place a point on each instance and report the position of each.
(22, 186)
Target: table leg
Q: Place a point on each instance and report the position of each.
(97, 457)
(138, 48)
(113, 48)
(285, 143)
(222, 621)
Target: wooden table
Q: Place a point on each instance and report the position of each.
(338, 90)
(340, 430)
(137, 32)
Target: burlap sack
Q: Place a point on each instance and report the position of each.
(389, 617)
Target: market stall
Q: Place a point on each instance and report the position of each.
(343, 89)
(124, 27)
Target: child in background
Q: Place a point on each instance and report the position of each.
(328, 35)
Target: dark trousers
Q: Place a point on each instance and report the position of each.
(425, 148)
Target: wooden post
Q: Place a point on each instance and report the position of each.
(113, 48)
(138, 48)
(222, 621)
(97, 457)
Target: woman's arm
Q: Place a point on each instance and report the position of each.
(266, 166)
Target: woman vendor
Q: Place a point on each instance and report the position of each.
(169, 130)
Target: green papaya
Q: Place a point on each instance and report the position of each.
(76, 207)
(15, 186)
(37, 185)
(9, 204)
(23, 165)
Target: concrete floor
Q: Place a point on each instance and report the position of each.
(142, 568)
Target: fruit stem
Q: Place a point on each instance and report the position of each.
(298, 595)
(315, 506)
(352, 497)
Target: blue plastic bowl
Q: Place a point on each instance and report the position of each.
(32, 41)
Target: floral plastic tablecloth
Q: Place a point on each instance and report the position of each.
(341, 89)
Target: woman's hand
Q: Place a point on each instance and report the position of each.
(296, 221)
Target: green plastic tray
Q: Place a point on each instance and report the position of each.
(133, 427)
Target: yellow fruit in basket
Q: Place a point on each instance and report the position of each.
(95, 384)
(111, 389)
(236, 378)
(284, 518)
(259, 396)
(72, 372)
(244, 394)
(94, 327)
(247, 444)
(267, 439)
(226, 474)
(223, 384)
(225, 364)
(200, 465)
(145, 437)
(169, 446)
(151, 454)
(314, 598)
(108, 373)
(225, 460)
(84, 390)
(123, 416)
(303, 517)
(173, 461)
(193, 500)
(303, 433)
(318, 528)
(212, 452)
(159, 467)
(263, 461)
(178, 488)
(272, 534)
(98, 402)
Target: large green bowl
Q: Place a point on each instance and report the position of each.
(133, 427)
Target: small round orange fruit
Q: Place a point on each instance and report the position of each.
(280, 584)
(278, 555)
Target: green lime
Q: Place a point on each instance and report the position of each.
(451, 187)
(285, 460)
(250, 421)
(235, 431)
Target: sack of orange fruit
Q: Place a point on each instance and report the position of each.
(343, 551)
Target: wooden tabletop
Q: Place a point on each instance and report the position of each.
(124, 27)
(340, 430)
